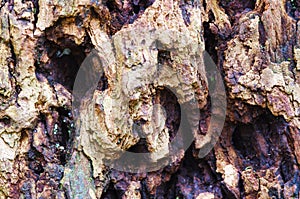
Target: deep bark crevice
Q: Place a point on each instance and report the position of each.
(110, 193)
(234, 8)
(258, 143)
(140, 147)
(6, 120)
(262, 36)
(103, 83)
(36, 161)
(121, 14)
(293, 8)
(193, 176)
(244, 141)
(65, 58)
(169, 101)
(2, 4)
(36, 11)
(12, 63)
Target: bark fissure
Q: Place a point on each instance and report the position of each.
(12, 63)
(36, 11)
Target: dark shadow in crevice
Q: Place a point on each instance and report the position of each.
(65, 134)
(103, 83)
(264, 143)
(244, 141)
(234, 8)
(164, 57)
(293, 8)
(5, 120)
(192, 178)
(287, 167)
(56, 136)
(36, 161)
(64, 61)
(168, 100)
(211, 41)
(262, 35)
(58, 56)
(111, 193)
(125, 14)
(140, 147)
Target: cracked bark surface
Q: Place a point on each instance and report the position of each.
(255, 45)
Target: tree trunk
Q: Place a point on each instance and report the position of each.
(127, 99)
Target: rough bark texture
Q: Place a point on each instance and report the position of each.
(255, 45)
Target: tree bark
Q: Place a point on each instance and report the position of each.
(84, 81)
